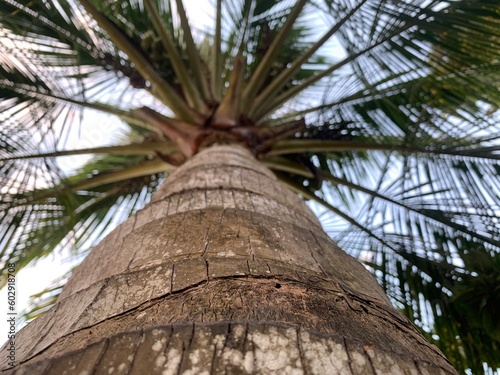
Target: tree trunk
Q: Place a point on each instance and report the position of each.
(225, 271)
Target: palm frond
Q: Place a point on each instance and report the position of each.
(78, 210)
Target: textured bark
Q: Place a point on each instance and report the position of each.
(225, 271)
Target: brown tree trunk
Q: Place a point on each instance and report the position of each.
(225, 271)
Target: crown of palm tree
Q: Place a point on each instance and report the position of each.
(383, 114)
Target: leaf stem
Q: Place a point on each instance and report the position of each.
(217, 54)
(295, 90)
(277, 84)
(131, 149)
(260, 74)
(164, 91)
(192, 51)
(189, 89)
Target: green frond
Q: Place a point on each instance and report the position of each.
(77, 210)
(40, 302)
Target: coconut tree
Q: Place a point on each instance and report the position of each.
(381, 114)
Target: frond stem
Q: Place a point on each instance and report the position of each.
(164, 91)
(287, 95)
(131, 149)
(260, 74)
(194, 57)
(277, 84)
(192, 94)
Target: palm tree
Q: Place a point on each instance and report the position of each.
(382, 114)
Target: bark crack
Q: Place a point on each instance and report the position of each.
(417, 366)
(183, 352)
(214, 355)
(233, 198)
(101, 355)
(205, 195)
(349, 359)
(252, 252)
(206, 270)
(251, 344)
(177, 206)
(207, 243)
(136, 349)
(383, 313)
(221, 219)
(245, 336)
(96, 297)
(367, 355)
(133, 226)
(135, 253)
(49, 322)
(192, 335)
(172, 277)
(301, 350)
(312, 253)
(269, 268)
(168, 208)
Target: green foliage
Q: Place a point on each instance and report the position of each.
(401, 139)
